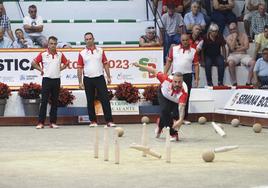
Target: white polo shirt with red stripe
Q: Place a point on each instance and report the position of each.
(50, 63)
(178, 96)
(93, 61)
(183, 59)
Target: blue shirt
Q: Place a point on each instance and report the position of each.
(189, 18)
(261, 67)
(19, 44)
(5, 43)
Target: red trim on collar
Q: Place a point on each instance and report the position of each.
(51, 53)
(184, 49)
(91, 49)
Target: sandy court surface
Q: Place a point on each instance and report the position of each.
(63, 158)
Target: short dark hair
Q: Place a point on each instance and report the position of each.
(53, 38)
(32, 6)
(89, 33)
(266, 27)
(19, 29)
(265, 49)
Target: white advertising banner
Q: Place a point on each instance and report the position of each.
(247, 100)
(15, 66)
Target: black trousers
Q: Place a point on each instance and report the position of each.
(167, 107)
(99, 84)
(49, 87)
(187, 78)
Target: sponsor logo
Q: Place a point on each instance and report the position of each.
(121, 76)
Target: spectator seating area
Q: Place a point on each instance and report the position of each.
(122, 23)
(119, 25)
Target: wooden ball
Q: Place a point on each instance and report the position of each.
(257, 127)
(208, 156)
(120, 131)
(202, 120)
(235, 122)
(145, 119)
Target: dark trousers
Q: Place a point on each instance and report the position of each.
(221, 18)
(187, 78)
(263, 80)
(167, 107)
(168, 40)
(219, 62)
(49, 87)
(99, 84)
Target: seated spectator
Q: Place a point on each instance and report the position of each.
(150, 38)
(251, 7)
(4, 41)
(261, 70)
(178, 5)
(214, 43)
(205, 9)
(173, 27)
(222, 13)
(33, 26)
(194, 17)
(261, 42)
(64, 45)
(21, 41)
(259, 20)
(238, 44)
(5, 23)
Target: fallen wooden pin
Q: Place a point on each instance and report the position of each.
(146, 150)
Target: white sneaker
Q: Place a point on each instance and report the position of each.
(53, 126)
(174, 138)
(185, 122)
(111, 124)
(93, 124)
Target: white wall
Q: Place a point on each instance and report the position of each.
(103, 31)
(210, 101)
(133, 9)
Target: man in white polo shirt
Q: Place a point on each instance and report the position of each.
(33, 26)
(91, 62)
(181, 58)
(173, 91)
(50, 63)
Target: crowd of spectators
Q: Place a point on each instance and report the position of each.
(213, 30)
(203, 20)
(29, 36)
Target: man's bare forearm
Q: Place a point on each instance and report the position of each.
(182, 111)
(79, 75)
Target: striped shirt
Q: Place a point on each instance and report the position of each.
(5, 22)
(258, 22)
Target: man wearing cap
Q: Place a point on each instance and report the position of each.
(150, 39)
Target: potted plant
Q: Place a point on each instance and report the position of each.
(65, 97)
(150, 94)
(30, 94)
(126, 91)
(5, 92)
